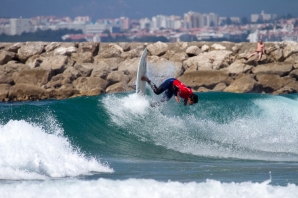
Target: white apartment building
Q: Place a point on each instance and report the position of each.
(198, 20)
(18, 26)
(262, 16)
(145, 23)
(160, 21)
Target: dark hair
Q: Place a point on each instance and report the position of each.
(194, 98)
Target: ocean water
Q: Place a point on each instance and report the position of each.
(117, 145)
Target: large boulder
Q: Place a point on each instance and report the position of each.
(294, 74)
(85, 71)
(219, 87)
(273, 68)
(205, 48)
(118, 76)
(112, 51)
(6, 56)
(271, 82)
(91, 47)
(209, 60)
(29, 50)
(158, 48)
(34, 61)
(37, 77)
(129, 64)
(217, 46)
(65, 50)
(12, 67)
(134, 53)
(290, 49)
(62, 92)
(113, 63)
(206, 78)
(23, 92)
(118, 87)
(60, 80)
(83, 57)
(238, 67)
(125, 46)
(193, 51)
(90, 86)
(243, 84)
(276, 54)
(4, 79)
(52, 46)
(55, 63)
(15, 47)
(177, 57)
(4, 89)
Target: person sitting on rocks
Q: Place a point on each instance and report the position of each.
(172, 87)
(260, 51)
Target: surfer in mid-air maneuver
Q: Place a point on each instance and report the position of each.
(171, 87)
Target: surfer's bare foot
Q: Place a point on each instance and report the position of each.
(144, 78)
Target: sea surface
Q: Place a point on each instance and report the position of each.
(117, 145)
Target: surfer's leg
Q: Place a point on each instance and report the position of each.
(156, 90)
(164, 86)
(167, 95)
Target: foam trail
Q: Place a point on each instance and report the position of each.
(28, 151)
(145, 188)
(268, 132)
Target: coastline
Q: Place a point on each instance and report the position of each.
(52, 70)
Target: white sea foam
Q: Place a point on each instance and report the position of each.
(126, 108)
(145, 188)
(268, 134)
(28, 151)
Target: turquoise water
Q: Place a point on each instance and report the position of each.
(227, 145)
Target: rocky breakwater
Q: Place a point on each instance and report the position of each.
(41, 70)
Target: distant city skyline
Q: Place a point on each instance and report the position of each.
(137, 9)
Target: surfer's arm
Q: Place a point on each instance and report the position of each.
(175, 94)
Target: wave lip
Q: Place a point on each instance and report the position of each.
(28, 151)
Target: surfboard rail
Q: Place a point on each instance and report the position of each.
(142, 69)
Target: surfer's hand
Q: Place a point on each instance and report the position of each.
(177, 99)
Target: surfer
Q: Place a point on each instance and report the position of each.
(171, 87)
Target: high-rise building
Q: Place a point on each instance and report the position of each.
(262, 16)
(124, 23)
(145, 23)
(18, 26)
(160, 21)
(213, 19)
(197, 20)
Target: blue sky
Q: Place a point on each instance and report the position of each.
(143, 8)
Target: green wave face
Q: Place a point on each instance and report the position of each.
(221, 125)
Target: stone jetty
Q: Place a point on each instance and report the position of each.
(44, 70)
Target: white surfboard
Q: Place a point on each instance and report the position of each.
(142, 68)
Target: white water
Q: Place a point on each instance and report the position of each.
(145, 188)
(28, 151)
(269, 135)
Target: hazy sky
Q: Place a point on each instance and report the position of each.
(143, 8)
